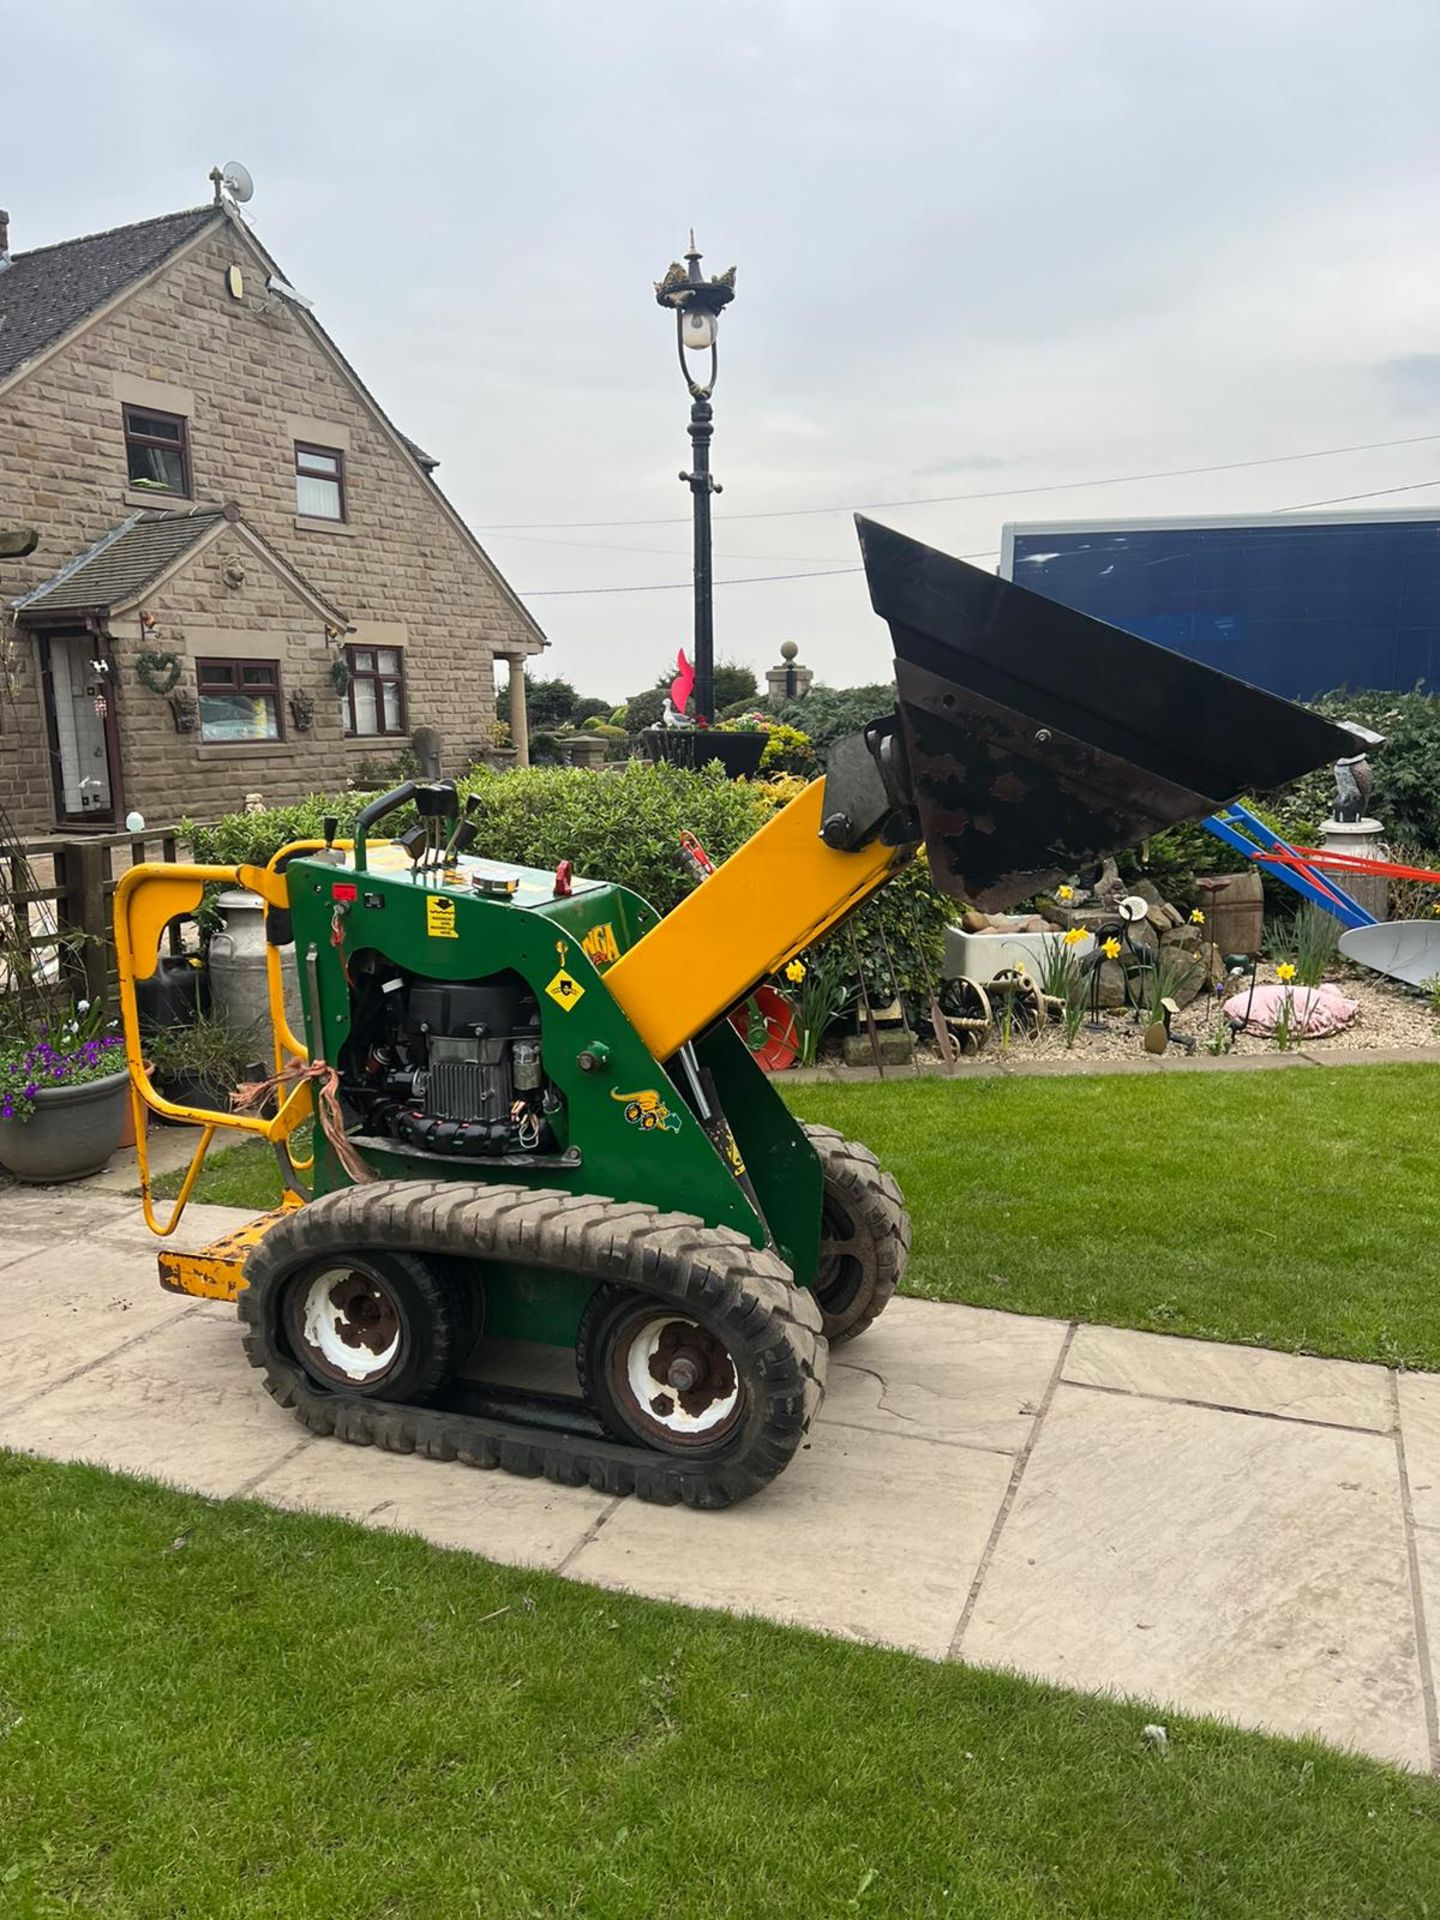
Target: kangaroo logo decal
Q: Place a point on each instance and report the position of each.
(646, 1110)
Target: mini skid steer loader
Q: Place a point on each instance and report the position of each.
(556, 1219)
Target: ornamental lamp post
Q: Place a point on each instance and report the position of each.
(697, 305)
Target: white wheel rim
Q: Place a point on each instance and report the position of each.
(346, 1320)
(686, 1413)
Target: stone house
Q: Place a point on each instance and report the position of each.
(247, 579)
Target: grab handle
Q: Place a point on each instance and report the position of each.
(384, 803)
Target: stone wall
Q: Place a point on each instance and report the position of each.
(251, 379)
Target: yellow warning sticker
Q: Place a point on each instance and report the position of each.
(565, 990)
(440, 917)
(600, 946)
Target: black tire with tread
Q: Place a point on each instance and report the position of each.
(746, 1295)
(856, 1183)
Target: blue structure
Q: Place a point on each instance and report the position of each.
(1299, 604)
(1240, 829)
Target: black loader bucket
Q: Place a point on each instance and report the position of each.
(1039, 739)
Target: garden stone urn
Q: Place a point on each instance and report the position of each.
(73, 1131)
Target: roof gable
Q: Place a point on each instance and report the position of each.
(50, 290)
(139, 555)
(47, 294)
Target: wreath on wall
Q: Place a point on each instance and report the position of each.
(160, 672)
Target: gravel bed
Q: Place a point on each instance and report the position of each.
(1390, 1016)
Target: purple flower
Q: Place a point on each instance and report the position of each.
(31, 1091)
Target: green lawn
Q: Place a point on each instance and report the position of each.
(1297, 1209)
(213, 1710)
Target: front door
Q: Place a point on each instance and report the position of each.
(82, 728)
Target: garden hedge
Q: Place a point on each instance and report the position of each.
(623, 824)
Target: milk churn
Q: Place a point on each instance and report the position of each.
(238, 992)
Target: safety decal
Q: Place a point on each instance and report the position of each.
(440, 917)
(646, 1110)
(565, 990)
(600, 946)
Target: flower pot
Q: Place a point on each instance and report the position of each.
(738, 753)
(73, 1131)
(192, 1090)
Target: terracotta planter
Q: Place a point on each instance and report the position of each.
(73, 1131)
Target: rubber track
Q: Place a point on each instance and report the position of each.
(874, 1198)
(713, 1273)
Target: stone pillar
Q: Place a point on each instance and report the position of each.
(788, 681)
(519, 719)
(1363, 837)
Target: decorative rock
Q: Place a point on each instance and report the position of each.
(1148, 892)
(1112, 984)
(1181, 936)
(894, 1045)
(973, 921)
(1174, 915)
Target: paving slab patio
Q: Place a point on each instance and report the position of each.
(1213, 1528)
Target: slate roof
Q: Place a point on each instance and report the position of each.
(119, 567)
(46, 292)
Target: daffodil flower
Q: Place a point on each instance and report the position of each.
(1064, 893)
(795, 972)
(1074, 936)
(1111, 949)
(1285, 973)
(1197, 918)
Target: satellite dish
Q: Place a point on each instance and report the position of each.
(237, 182)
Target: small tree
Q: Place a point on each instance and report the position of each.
(644, 709)
(734, 684)
(548, 703)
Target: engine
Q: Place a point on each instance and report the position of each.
(451, 1067)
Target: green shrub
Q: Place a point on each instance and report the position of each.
(624, 825)
(900, 935)
(828, 714)
(788, 750)
(1406, 796)
(644, 710)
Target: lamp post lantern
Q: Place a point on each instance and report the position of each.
(697, 304)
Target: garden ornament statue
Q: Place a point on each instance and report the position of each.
(1353, 781)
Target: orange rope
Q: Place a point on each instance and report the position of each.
(326, 1081)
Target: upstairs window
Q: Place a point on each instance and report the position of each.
(157, 451)
(239, 700)
(377, 691)
(319, 482)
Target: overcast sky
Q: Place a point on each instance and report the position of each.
(980, 247)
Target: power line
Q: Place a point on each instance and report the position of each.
(679, 586)
(748, 580)
(1417, 486)
(666, 553)
(760, 579)
(997, 493)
